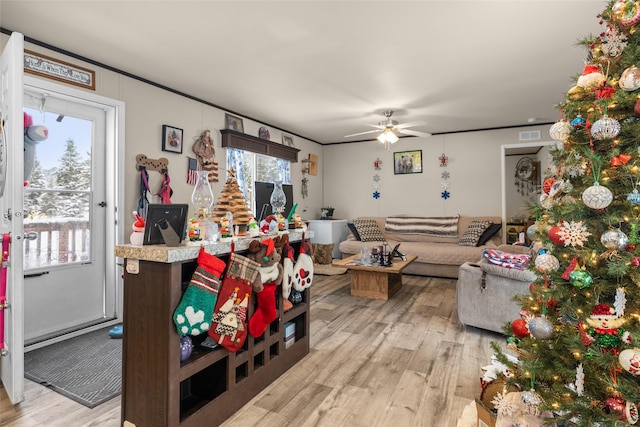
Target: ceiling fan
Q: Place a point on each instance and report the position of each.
(390, 127)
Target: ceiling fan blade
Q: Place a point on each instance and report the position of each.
(362, 133)
(410, 124)
(414, 132)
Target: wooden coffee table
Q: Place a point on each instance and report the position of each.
(374, 282)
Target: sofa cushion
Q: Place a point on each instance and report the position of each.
(489, 233)
(473, 233)
(429, 226)
(354, 231)
(322, 253)
(368, 230)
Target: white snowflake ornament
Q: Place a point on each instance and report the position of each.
(573, 233)
(445, 175)
(445, 185)
(613, 42)
(505, 406)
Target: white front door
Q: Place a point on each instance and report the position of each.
(65, 205)
(11, 171)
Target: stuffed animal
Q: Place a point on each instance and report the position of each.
(33, 135)
(266, 255)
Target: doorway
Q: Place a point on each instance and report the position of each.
(69, 269)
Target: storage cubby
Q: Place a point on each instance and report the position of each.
(160, 390)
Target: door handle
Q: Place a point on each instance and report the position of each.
(32, 235)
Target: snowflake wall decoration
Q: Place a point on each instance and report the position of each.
(445, 175)
(573, 233)
(445, 194)
(376, 195)
(445, 185)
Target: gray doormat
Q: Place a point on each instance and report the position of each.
(87, 368)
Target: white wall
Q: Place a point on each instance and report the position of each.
(345, 171)
(148, 108)
(473, 165)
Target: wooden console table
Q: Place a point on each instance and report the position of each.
(372, 281)
(158, 389)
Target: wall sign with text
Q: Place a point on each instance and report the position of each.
(44, 66)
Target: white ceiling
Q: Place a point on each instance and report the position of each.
(325, 69)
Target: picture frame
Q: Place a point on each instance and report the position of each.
(287, 140)
(233, 123)
(406, 162)
(171, 139)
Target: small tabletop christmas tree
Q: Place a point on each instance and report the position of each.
(578, 358)
(232, 200)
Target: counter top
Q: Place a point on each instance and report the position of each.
(189, 251)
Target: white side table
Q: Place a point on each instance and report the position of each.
(326, 231)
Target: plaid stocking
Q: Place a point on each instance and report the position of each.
(228, 326)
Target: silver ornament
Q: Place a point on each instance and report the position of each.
(614, 239)
(541, 328)
(560, 131)
(546, 263)
(605, 128)
(566, 186)
(597, 196)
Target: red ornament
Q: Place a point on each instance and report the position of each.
(636, 262)
(547, 184)
(520, 328)
(630, 247)
(636, 108)
(554, 235)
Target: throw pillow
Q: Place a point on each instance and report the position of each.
(489, 233)
(354, 231)
(368, 230)
(322, 253)
(473, 232)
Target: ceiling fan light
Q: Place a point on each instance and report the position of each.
(387, 137)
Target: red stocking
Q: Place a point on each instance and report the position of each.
(265, 312)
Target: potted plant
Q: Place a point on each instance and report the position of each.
(326, 213)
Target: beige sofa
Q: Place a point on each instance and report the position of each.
(437, 256)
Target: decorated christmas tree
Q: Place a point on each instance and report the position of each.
(232, 200)
(578, 342)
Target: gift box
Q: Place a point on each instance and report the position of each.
(486, 417)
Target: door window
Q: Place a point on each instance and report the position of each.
(57, 193)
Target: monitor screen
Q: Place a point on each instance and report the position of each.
(161, 215)
(263, 192)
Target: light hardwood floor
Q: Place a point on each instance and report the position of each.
(402, 362)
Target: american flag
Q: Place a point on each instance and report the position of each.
(192, 168)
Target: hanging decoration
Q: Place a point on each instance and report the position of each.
(560, 131)
(445, 185)
(377, 165)
(304, 188)
(527, 176)
(613, 42)
(205, 152)
(443, 160)
(604, 128)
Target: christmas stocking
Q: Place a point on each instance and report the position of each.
(303, 270)
(287, 273)
(193, 315)
(228, 326)
(266, 311)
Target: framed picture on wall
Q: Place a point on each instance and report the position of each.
(171, 139)
(233, 123)
(405, 162)
(287, 140)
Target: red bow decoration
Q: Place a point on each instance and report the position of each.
(620, 160)
(604, 91)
